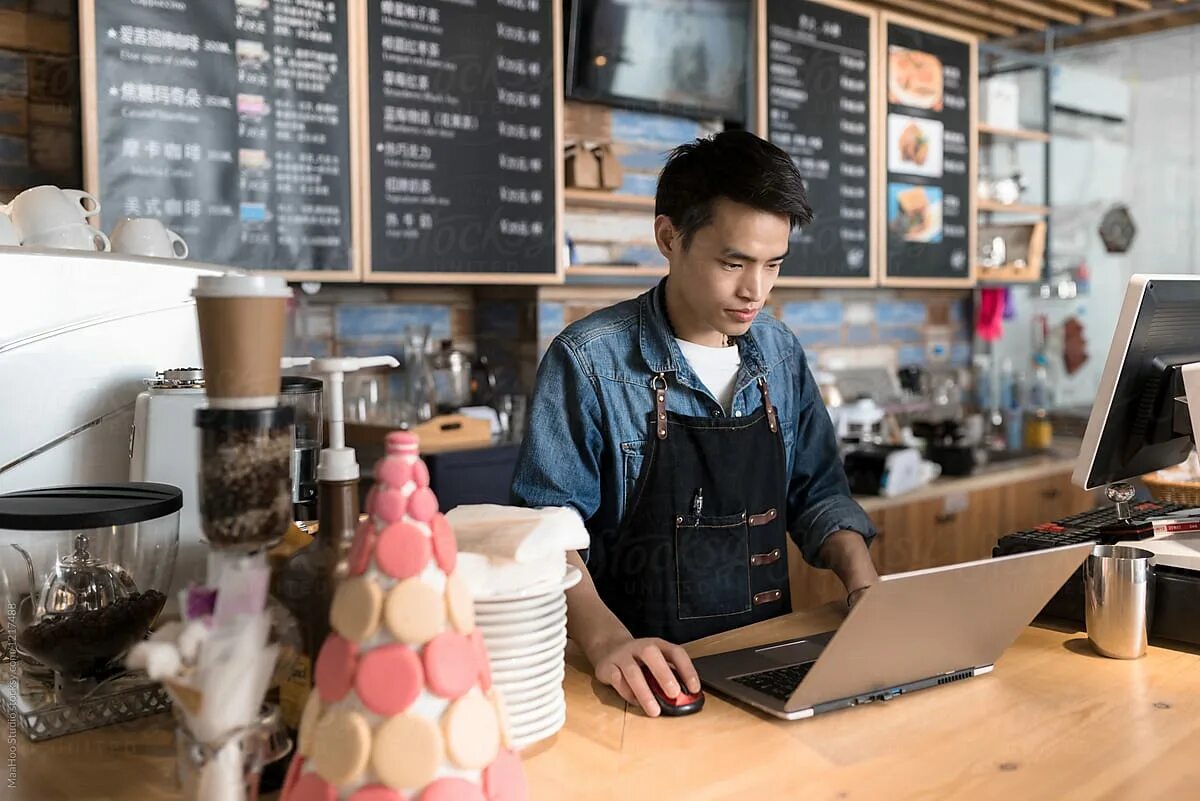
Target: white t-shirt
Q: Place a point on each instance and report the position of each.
(716, 367)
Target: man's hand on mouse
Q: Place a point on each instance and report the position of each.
(619, 665)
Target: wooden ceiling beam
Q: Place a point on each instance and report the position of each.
(938, 13)
(1166, 22)
(1089, 7)
(990, 10)
(1044, 9)
(1140, 5)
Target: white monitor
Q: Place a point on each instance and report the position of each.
(1140, 421)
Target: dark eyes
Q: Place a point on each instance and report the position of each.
(730, 266)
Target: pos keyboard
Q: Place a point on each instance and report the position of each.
(1098, 525)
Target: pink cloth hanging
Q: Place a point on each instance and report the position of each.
(989, 321)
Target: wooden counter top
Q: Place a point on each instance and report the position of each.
(1054, 721)
(1060, 459)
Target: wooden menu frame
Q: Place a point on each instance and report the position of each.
(89, 70)
(362, 139)
(885, 19)
(874, 266)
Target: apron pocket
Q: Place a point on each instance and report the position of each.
(712, 565)
(633, 456)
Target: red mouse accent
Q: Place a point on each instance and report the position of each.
(683, 704)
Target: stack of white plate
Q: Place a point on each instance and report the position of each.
(525, 634)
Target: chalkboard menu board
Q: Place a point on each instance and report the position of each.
(820, 108)
(463, 145)
(229, 120)
(930, 153)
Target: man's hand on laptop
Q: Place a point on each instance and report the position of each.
(619, 664)
(846, 553)
(854, 595)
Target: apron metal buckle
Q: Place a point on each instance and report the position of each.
(659, 384)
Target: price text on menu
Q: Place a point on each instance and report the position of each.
(229, 121)
(819, 111)
(928, 130)
(462, 144)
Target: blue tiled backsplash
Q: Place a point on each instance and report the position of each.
(919, 331)
(387, 321)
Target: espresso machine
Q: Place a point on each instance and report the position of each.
(163, 447)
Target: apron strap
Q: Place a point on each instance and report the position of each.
(772, 418)
(659, 385)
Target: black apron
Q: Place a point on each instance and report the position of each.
(702, 545)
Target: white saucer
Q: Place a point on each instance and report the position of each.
(524, 739)
(569, 579)
(518, 698)
(535, 716)
(483, 607)
(502, 647)
(543, 698)
(514, 684)
(494, 631)
(525, 668)
(522, 657)
(558, 603)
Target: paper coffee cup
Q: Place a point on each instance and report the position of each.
(242, 324)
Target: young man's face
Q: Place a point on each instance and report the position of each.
(720, 282)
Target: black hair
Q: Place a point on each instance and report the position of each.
(736, 165)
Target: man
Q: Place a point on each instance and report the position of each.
(687, 431)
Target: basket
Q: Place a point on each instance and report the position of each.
(1182, 492)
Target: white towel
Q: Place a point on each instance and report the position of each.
(517, 534)
(491, 578)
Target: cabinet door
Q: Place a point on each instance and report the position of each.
(922, 534)
(988, 518)
(1060, 498)
(1023, 504)
(813, 587)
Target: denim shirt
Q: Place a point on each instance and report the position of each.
(587, 435)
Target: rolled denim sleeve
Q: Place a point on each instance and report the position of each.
(819, 501)
(559, 461)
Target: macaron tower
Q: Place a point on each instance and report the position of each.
(403, 708)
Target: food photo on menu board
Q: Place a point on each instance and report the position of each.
(914, 78)
(915, 212)
(915, 145)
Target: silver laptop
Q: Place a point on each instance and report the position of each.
(911, 631)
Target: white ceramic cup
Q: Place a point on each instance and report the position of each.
(44, 208)
(9, 235)
(146, 236)
(79, 236)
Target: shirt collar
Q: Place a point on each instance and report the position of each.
(657, 340)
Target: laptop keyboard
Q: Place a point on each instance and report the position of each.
(776, 682)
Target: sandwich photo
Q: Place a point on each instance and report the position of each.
(915, 212)
(914, 78)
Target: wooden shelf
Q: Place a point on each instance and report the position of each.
(1012, 208)
(1008, 274)
(617, 270)
(601, 199)
(1013, 133)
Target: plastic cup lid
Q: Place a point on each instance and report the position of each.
(241, 286)
(87, 506)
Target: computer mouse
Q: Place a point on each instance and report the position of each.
(683, 704)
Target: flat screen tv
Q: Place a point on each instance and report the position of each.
(687, 57)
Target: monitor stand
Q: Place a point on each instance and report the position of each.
(1173, 539)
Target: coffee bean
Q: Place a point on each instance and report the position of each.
(245, 486)
(82, 643)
